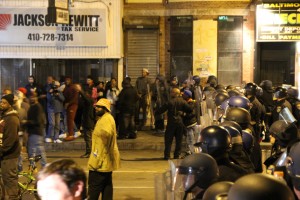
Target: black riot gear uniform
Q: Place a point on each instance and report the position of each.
(203, 172)
(216, 141)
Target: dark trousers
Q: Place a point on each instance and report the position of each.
(71, 113)
(9, 171)
(100, 183)
(142, 104)
(127, 125)
(173, 130)
(87, 136)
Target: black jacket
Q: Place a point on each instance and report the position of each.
(36, 119)
(127, 99)
(176, 108)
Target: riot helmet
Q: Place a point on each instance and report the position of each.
(233, 92)
(220, 87)
(236, 137)
(260, 187)
(230, 87)
(220, 97)
(250, 89)
(199, 169)
(284, 132)
(209, 89)
(214, 140)
(238, 115)
(233, 124)
(217, 191)
(280, 93)
(266, 85)
(293, 165)
(292, 92)
(239, 101)
(259, 91)
(248, 141)
(196, 79)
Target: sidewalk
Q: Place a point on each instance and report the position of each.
(146, 140)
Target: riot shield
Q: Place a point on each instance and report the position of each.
(286, 115)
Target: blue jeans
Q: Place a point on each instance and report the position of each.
(35, 146)
(54, 125)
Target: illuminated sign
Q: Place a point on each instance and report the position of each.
(278, 22)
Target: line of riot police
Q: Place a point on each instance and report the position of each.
(226, 126)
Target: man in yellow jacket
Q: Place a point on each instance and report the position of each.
(105, 156)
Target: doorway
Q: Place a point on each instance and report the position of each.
(276, 62)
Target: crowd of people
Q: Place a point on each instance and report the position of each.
(223, 127)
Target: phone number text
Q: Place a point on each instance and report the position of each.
(49, 37)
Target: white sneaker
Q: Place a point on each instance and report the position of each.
(48, 140)
(58, 141)
(77, 134)
(62, 136)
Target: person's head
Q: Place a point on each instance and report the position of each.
(101, 85)
(280, 93)
(126, 83)
(266, 85)
(145, 72)
(6, 91)
(212, 80)
(31, 79)
(187, 94)
(113, 82)
(214, 140)
(68, 80)
(89, 80)
(250, 89)
(175, 92)
(33, 99)
(102, 106)
(220, 98)
(50, 79)
(260, 187)
(7, 101)
(239, 101)
(238, 115)
(62, 180)
(174, 80)
(284, 132)
(197, 172)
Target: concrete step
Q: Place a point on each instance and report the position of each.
(146, 140)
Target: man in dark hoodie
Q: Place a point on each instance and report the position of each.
(128, 98)
(9, 146)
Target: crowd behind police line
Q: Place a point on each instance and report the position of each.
(242, 119)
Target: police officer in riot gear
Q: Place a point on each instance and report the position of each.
(196, 173)
(292, 97)
(257, 110)
(243, 118)
(280, 103)
(240, 102)
(285, 134)
(260, 187)
(216, 141)
(237, 153)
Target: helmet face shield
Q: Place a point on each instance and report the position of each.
(186, 179)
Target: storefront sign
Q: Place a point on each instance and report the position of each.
(278, 22)
(29, 26)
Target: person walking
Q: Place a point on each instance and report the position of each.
(105, 156)
(10, 147)
(71, 104)
(36, 121)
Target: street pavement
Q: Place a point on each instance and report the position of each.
(143, 171)
(135, 180)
